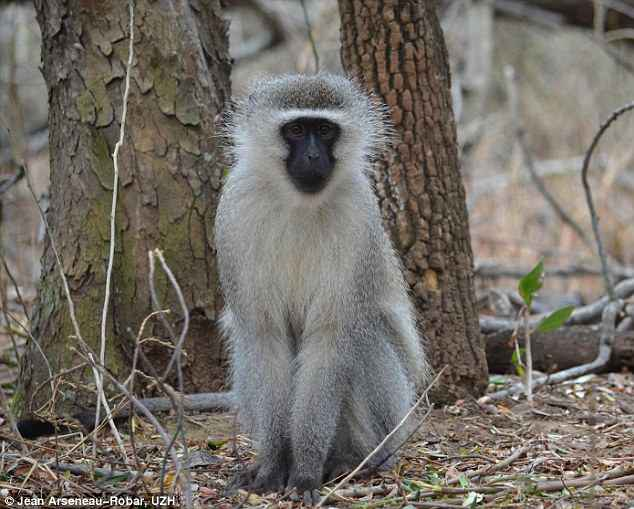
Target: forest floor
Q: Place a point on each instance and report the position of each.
(574, 447)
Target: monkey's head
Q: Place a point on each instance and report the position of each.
(309, 133)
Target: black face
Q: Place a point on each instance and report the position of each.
(310, 161)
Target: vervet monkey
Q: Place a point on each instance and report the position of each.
(324, 353)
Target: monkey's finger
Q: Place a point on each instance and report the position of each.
(311, 497)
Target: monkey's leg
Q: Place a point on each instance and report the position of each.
(343, 456)
(380, 396)
(320, 387)
(261, 375)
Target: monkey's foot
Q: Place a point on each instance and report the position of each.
(255, 479)
(309, 497)
(269, 480)
(306, 488)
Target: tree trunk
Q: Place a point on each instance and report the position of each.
(396, 49)
(169, 182)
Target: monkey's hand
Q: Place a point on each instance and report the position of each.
(307, 487)
(257, 479)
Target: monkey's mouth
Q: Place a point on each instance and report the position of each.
(310, 179)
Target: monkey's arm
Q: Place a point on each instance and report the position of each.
(261, 376)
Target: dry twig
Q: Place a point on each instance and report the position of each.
(586, 186)
(113, 211)
(520, 134)
(176, 357)
(311, 38)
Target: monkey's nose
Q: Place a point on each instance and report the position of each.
(312, 155)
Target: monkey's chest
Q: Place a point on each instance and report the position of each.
(300, 280)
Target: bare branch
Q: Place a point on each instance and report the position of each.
(113, 211)
(15, 285)
(586, 186)
(9, 182)
(520, 134)
(148, 415)
(176, 355)
(311, 39)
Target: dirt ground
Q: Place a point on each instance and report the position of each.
(573, 448)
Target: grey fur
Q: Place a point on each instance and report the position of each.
(325, 356)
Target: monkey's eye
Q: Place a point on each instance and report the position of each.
(295, 130)
(326, 131)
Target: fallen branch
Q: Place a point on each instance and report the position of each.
(619, 476)
(583, 315)
(607, 337)
(562, 349)
(616, 476)
(489, 469)
(492, 270)
(364, 491)
(100, 472)
(223, 401)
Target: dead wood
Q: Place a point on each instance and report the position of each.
(583, 315)
(619, 13)
(560, 349)
(191, 402)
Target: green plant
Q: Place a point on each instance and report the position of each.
(528, 287)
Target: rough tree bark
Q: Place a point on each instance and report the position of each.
(396, 49)
(169, 182)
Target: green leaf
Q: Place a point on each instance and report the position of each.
(555, 319)
(497, 379)
(517, 362)
(464, 481)
(531, 282)
(216, 443)
(472, 499)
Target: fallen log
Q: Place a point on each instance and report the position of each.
(559, 349)
(582, 315)
(619, 13)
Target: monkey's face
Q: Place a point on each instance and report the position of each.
(311, 161)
